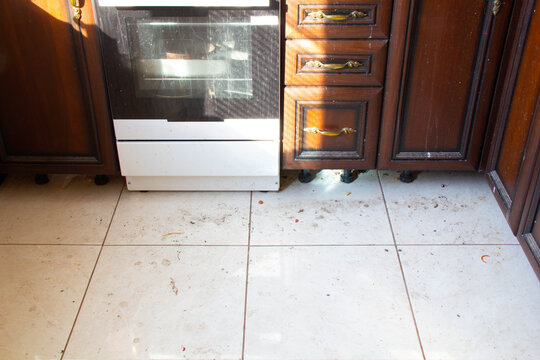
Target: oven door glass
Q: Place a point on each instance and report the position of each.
(192, 64)
(192, 59)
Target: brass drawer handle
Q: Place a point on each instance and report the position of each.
(348, 64)
(77, 11)
(497, 4)
(321, 15)
(344, 131)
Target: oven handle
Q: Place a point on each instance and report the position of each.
(179, 3)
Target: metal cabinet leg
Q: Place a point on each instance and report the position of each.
(41, 179)
(348, 176)
(305, 176)
(101, 180)
(406, 176)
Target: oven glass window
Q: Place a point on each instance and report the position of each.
(191, 57)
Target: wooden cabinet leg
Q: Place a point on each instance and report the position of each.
(41, 179)
(406, 176)
(305, 176)
(348, 176)
(101, 180)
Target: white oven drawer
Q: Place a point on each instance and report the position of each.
(245, 129)
(199, 158)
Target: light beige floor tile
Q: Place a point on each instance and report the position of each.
(150, 302)
(328, 303)
(445, 208)
(324, 211)
(195, 218)
(41, 288)
(469, 310)
(68, 210)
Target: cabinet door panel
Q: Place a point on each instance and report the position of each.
(53, 110)
(329, 128)
(517, 138)
(442, 69)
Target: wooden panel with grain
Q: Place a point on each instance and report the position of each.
(517, 139)
(53, 109)
(442, 70)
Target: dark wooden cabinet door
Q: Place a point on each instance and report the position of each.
(516, 144)
(330, 127)
(53, 110)
(443, 63)
(514, 158)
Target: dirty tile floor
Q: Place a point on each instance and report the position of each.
(376, 269)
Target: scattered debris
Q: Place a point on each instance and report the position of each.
(349, 193)
(301, 211)
(482, 258)
(396, 178)
(173, 233)
(183, 348)
(443, 185)
(296, 220)
(174, 289)
(261, 202)
(436, 205)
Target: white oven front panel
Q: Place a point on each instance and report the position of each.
(228, 129)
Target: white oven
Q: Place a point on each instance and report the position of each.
(194, 92)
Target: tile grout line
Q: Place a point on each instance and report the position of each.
(92, 274)
(247, 275)
(401, 268)
(262, 245)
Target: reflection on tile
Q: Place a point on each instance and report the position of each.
(151, 302)
(445, 208)
(200, 218)
(68, 210)
(41, 288)
(468, 309)
(325, 211)
(328, 303)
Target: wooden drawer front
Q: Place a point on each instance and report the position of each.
(331, 111)
(312, 19)
(335, 62)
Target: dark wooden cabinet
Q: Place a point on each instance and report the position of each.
(438, 79)
(514, 161)
(334, 78)
(54, 115)
(443, 63)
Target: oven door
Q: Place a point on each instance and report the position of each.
(191, 63)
